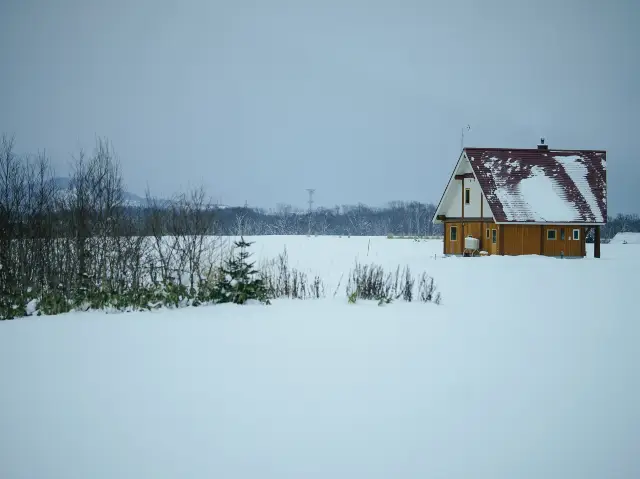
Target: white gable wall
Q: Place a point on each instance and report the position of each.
(451, 205)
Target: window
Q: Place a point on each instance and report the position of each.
(487, 233)
(576, 234)
(551, 235)
(494, 236)
(453, 236)
(561, 234)
(467, 196)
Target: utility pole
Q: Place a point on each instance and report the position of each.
(311, 191)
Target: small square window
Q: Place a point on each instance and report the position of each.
(467, 196)
(551, 235)
(561, 234)
(453, 233)
(494, 236)
(487, 233)
(576, 234)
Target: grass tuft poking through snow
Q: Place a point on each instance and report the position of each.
(283, 281)
(371, 282)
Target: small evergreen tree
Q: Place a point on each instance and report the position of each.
(239, 281)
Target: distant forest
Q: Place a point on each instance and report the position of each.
(397, 218)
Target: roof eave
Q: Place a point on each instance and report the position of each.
(552, 223)
(444, 193)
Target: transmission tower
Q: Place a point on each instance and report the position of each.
(311, 191)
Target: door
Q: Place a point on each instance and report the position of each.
(493, 248)
(454, 238)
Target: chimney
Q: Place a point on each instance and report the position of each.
(542, 146)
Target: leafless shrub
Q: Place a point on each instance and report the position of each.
(371, 282)
(282, 281)
(80, 246)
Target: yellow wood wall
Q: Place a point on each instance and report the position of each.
(476, 229)
(517, 239)
(530, 239)
(521, 239)
(569, 246)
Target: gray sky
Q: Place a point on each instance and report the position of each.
(362, 100)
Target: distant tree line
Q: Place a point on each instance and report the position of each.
(621, 223)
(397, 218)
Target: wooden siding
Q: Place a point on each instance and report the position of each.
(567, 246)
(476, 228)
(515, 240)
(532, 239)
(521, 239)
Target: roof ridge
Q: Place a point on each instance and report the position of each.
(530, 149)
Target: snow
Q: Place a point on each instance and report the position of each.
(536, 198)
(32, 307)
(540, 197)
(626, 238)
(543, 199)
(578, 171)
(528, 369)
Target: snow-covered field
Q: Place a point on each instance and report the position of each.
(626, 238)
(530, 368)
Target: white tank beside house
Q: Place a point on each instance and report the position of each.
(471, 243)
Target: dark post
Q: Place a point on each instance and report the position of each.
(461, 239)
(444, 239)
(481, 222)
(596, 243)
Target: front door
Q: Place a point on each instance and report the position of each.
(493, 246)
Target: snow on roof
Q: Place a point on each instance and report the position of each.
(534, 185)
(578, 172)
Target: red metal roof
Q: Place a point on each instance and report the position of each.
(539, 185)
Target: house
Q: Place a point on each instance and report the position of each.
(524, 201)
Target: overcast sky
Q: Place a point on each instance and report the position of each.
(363, 100)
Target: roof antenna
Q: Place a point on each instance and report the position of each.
(468, 127)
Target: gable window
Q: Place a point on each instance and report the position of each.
(453, 233)
(551, 235)
(494, 236)
(467, 196)
(561, 234)
(576, 234)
